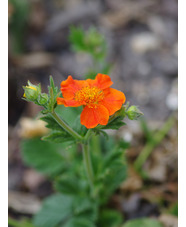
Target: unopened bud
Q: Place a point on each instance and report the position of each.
(31, 91)
(43, 99)
(133, 113)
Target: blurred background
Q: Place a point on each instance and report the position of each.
(141, 55)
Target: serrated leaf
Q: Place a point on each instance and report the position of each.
(110, 218)
(85, 208)
(43, 156)
(111, 173)
(143, 222)
(64, 210)
(51, 123)
(77, 38)
(91, 42)
(115, 124)
(58, 137)
(67, 185)
(55, 209)
(79, 222)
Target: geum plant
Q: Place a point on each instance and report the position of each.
(82, 191)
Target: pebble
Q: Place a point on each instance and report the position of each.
(172, 97)
(144, 42)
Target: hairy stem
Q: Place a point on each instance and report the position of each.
(65, 126)
(88, 164)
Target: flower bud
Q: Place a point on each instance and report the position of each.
(31, 92)
(43, 99)
(133, 113)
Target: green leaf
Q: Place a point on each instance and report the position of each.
(58, 134)
(174, 209)
(78, 127)
(143, 222)
(69, 114)
(18, 24)
(110, 172)
(109, 218)
(58, 137)
(77, 38)
(79, 222)
(51, 123)
(114, 170)
(67, 184)
(55, 209)
(66, 211)
(99, 131)
(90, 41)
(53, 94)
(19, 223)
(43, 156)
(85, 208)
(115, 124)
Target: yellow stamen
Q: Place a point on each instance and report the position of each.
(90, 95)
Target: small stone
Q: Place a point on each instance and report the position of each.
(169, 220)
(144, 42)
(127, 136)
(172, 98)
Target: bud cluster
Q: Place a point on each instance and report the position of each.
(33, 93)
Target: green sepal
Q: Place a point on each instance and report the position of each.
(99, 131)
(133, 113)
(31, 92)
(45, 111)
(43, 99)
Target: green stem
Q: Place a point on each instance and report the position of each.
(96, 146)
(157, 138)
(88, 164)
(13, 222)
(66, 126)
(88, 134)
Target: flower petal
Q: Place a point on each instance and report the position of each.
(102, 81)
(92, 116)
(70, 86)
(113, 100)
(68, 102)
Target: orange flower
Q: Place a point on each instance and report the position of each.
(99, 100)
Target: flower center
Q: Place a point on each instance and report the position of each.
(90, 95)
